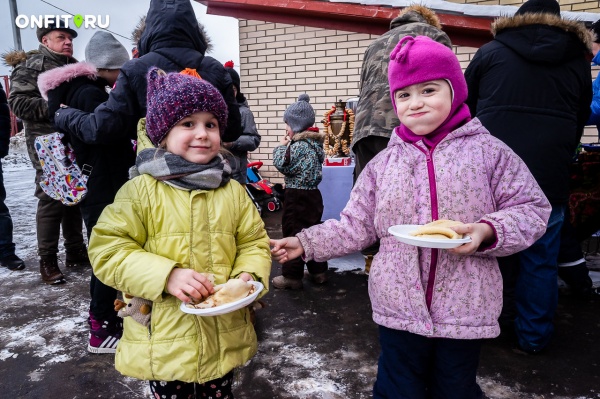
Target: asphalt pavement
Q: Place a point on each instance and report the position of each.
(319, 342)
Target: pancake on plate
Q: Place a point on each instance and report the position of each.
(233, 290)
(438, 229)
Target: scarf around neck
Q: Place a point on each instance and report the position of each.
(179, 173)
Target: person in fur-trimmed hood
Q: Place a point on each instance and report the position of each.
(531, 87)
(84, 86)
(300, 158)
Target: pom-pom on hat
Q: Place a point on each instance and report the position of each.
(300, 115)
(539, 7)
(421, 59)
(233, 73)
(174, 96)
(105, 52)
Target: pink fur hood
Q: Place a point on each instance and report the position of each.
(53, 78)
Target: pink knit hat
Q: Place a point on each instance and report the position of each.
(421, 59)
(174, 96)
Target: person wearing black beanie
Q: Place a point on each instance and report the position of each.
(514, 83)
(249, 140)
(539, 7)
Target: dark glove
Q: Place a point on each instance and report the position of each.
(54, 102)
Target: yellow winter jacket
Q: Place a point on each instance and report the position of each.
(152, 228)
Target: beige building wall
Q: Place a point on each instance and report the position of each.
(279, 61)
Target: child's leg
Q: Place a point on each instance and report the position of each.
(172, 389)
(217, 388)
(291, 224)
(404, 365)
(455, 369)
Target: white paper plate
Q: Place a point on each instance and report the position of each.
(228, 307)
(401, 232)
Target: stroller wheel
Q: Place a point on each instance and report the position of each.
(272, 206)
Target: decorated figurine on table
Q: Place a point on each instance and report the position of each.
(339, 127)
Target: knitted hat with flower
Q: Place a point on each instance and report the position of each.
(174, 96)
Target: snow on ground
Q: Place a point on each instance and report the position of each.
(56, 336)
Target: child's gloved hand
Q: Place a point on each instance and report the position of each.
(479, 232)
(286, 249)
(187, 283)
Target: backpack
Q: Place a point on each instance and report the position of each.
(62, 179)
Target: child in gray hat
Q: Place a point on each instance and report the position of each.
(300, 159)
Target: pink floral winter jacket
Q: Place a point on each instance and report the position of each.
(470, 176)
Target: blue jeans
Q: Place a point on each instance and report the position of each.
(415, 367)
(7, 247)
(537, 288)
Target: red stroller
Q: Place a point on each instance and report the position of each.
(263, 193)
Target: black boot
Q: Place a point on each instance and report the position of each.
(12, 262)
(49, 270)
(78, 257)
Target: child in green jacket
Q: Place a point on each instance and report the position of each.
(180, 217)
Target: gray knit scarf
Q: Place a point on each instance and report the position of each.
(179, 173)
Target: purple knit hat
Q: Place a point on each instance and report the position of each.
(421, 59)
(173, 96)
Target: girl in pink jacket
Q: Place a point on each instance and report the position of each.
(433, 306)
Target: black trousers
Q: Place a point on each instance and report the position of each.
(102, 302)
(301, 209)
(365, 150)
(412, 366)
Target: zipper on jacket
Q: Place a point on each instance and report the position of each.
(434, 216)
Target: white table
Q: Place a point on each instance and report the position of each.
(335, 188)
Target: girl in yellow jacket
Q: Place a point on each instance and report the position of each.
(180, 216)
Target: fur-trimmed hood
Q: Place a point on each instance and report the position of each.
(307, 134)
(545, 37)
(55, 77)
(416, 13)
(15, 57)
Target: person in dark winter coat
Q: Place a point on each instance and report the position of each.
(300, 158)
(531, 87)
(594, 118)
(171, 40)
(55, 50)
(375, 116)
(84, 86)
(250, 139)
(8, 258)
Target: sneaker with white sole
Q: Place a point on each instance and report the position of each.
(104, 335)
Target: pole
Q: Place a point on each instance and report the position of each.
(16, 32)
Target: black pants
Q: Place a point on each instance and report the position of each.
(301, 209)
(412, 366)
(365, 150)
(102, 303)
(219, 388)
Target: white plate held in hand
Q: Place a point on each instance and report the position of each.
(402, 234)
(228, 307)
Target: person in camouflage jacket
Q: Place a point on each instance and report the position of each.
(375, 118)
(26, 102)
